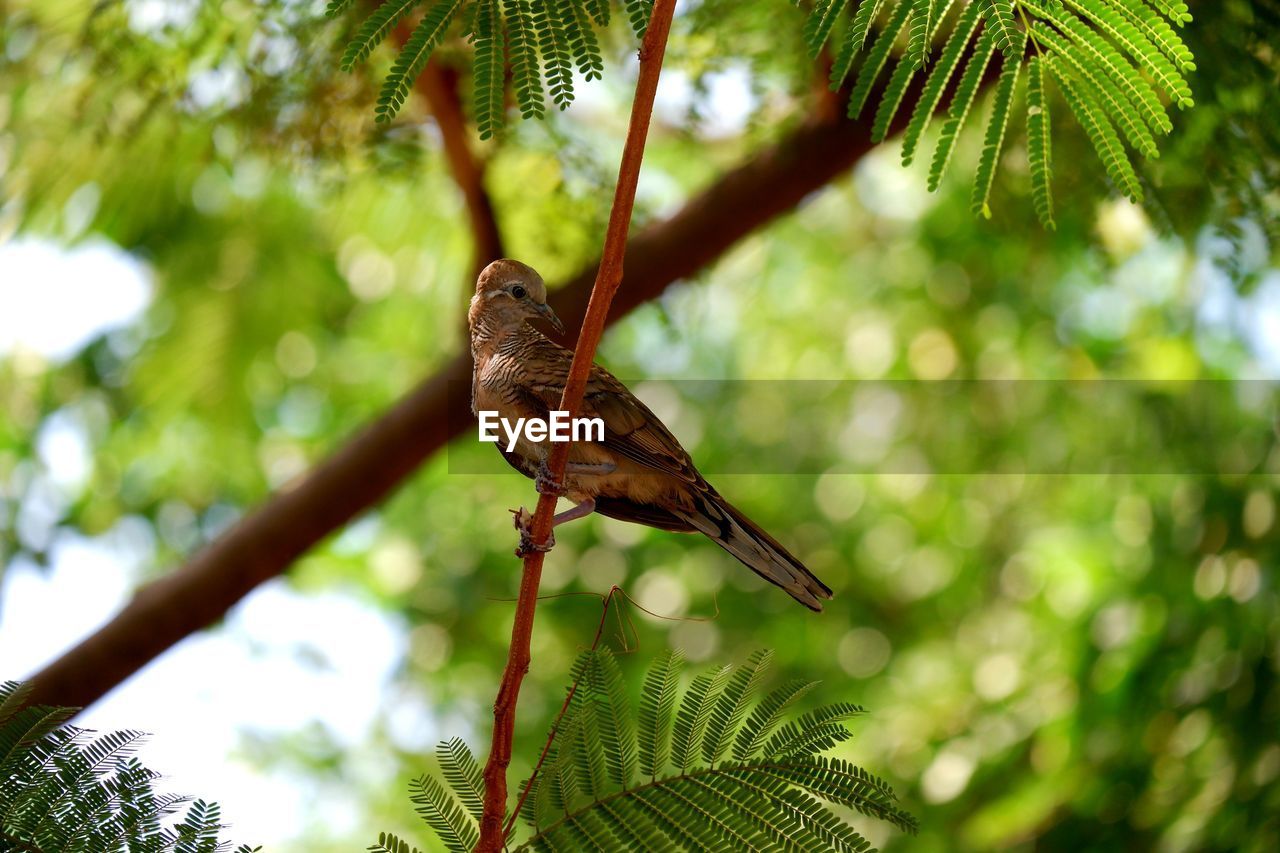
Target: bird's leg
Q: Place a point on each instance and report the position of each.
(581, 510)
(523, 521)
(547, 485)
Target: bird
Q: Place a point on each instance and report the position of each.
(638, 473)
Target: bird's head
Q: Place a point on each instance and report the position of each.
(509, 294)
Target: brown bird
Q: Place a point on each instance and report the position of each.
(639, 472)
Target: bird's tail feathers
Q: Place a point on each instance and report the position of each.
(719, 520)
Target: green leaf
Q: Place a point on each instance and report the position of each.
(433, 802)
(731, 707)
(462, 772)
(657, 702)
(489, 69)
(922, 115)
(999, 15)
(854, 40)
(1119, 108)
(613, 716)
(582, 39)
(817, 27)
(1107, 18)
(1098, 128)
(374, 29)
(695, 710)
(557, 58)
(413, 57)
(876, 58)
(892, 98)
(1039, 153)
(994, 141)
(638, 13)
(961, 105)
(526, 76)
(766, 715)
(1158, 31)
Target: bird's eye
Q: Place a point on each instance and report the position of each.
(518, 292)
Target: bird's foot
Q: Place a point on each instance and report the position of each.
(522, 520)
(545, 483)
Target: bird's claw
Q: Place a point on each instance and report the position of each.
(522, 520)
(545, 483)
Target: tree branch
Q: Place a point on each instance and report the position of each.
(264, 543)
(608, 279)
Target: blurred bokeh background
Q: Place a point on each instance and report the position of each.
(214, 267)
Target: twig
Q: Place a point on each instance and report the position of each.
(564, 709)
(608, 278)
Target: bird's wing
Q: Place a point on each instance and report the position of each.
(630, 429)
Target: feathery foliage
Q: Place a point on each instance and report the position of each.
(773, 790)
(1123, 58)
(64, 789)
(1117, 63)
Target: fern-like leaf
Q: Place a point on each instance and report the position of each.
(966, 25)
(894, 92)
(730, 709)
(1100, 131)
(1159, 33)
(489, 70)
(582, 39)
(821, 20)
(1116, 105)
(613, 717)
(337, 7)
(413, 57)
(657, 702)
(526, 76)
(695, 710)
(992, 146)
(1106, 17)
(961, 106)
(766, 716)
(854, 40)
(388, 843)
(876, 58)
(638, 13)
(1176, 12)
(374, 29)
(1000, 19)
(798, 737)
(557, 59)
(461, 770)
(924, 20)
(1039, 153)
(1124, 77)
(599, 11)
(433, 802)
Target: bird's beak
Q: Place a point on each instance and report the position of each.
(550, 316)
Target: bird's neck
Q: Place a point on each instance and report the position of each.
(488, 334)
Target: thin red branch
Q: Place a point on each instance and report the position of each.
(564, 709)
(608, 278)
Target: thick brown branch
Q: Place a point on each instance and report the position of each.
(361, 473)
(608, 279)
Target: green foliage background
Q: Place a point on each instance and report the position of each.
(1066, 661)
